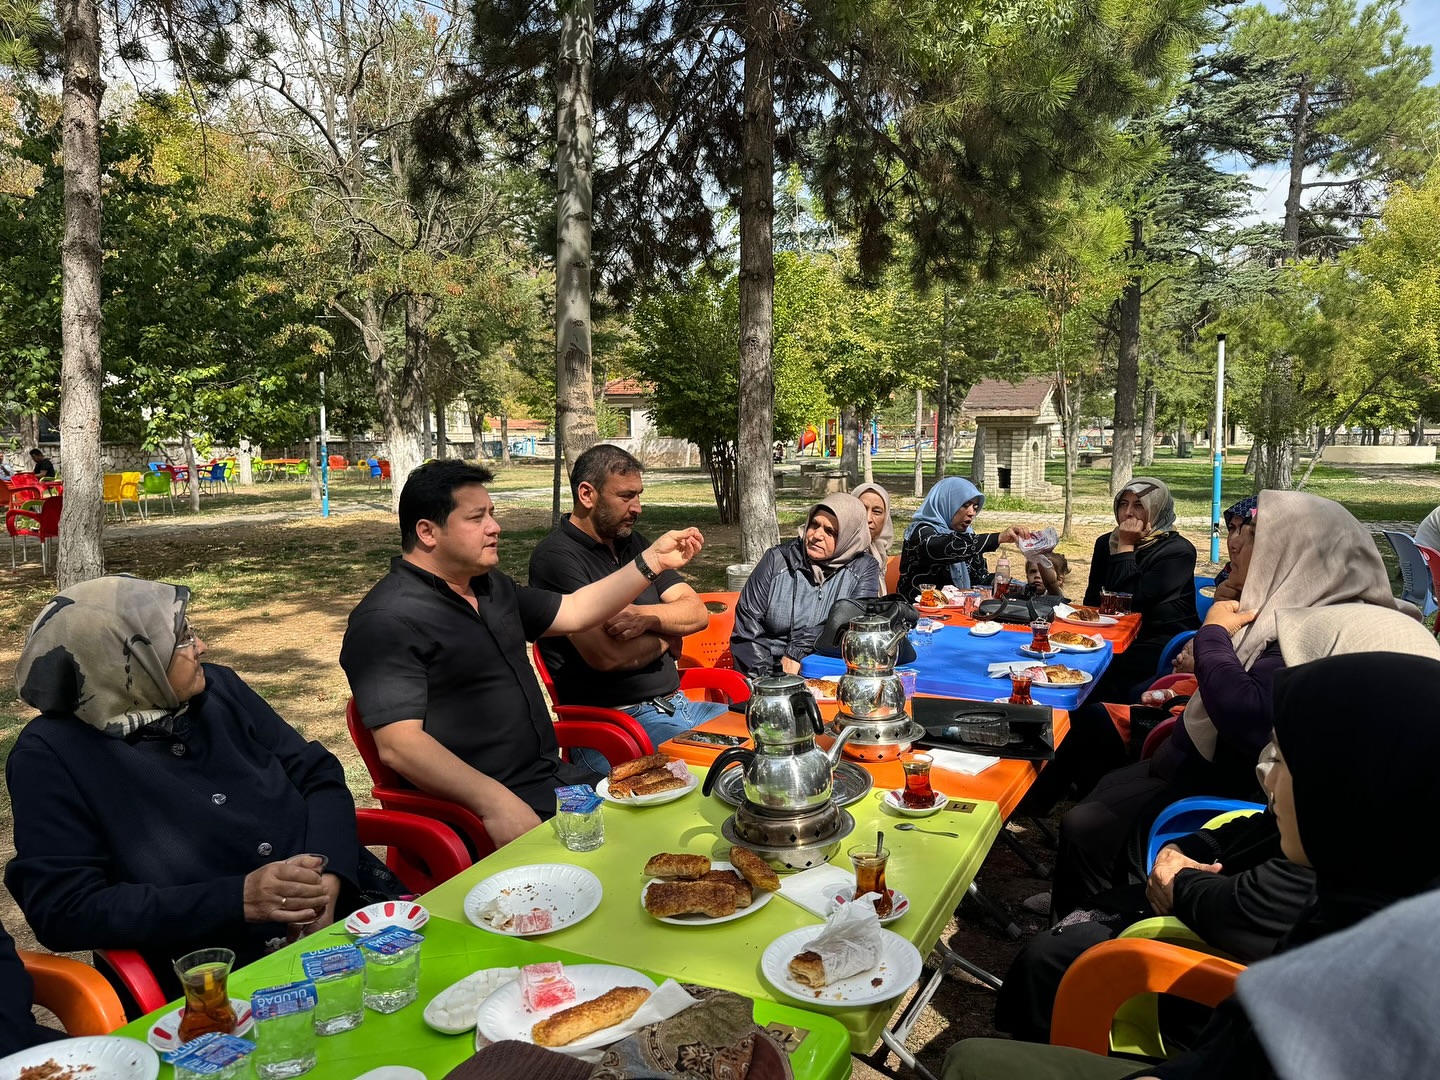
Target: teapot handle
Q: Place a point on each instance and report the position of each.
(724, 761)
(804, 702)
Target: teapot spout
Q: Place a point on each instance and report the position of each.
(833, 754)
(897, 637)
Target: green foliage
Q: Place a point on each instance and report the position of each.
(21, 23)
(201, 335)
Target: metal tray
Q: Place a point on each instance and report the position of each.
(851, 783)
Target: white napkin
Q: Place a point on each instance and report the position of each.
(664, 1003)
(850, 942)
(1064, 610)
(961, 762)
(1003, 670)
(499, 911)
(812, 889)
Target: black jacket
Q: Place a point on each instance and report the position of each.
(145, 843)
(1161, 580)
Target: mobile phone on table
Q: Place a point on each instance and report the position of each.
(696, 737)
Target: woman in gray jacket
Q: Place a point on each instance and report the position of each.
(783, 607)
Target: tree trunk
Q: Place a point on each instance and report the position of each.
(442, 437)
(977, 458)
(192, 470)
(477, 432)
(81, 548)
(504, 439)
(942, 391)
(29, 426)
(719, 463)
(919, 436)
(850, 446)
(574, 158)
(1182, 445)
(1147, 424)
(400, 395)
(244, 469)
(758, 528)
(312, 454)
(1127, 372)
(867, 456)
(1274, 449)
(1299, 147)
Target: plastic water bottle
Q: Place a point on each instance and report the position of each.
(392, 969)
(1002, 576)
(284, 1030)
(339, 977)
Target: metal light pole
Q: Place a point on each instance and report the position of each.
(1218, 448)
(325, 455)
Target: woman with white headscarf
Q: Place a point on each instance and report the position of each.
(1314, 585)
(789, 594)
(941, 547)
(1145, 557)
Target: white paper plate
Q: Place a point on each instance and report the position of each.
(898, 968)
(165, 1035)
(1025, 650)
(1067, 614)
(899, 903)
(108, 1057)
(569, 893)
(403, 913)
(504, 1015)
(1039, 680)
(986, 629)
(392, 1072)
(603, 790)
(1096, 644)
(892, 801)
(761, 898)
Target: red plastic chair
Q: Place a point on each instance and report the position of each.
(432, 854)
(43, 526)
(1158, 734)
(1432, 563)
(1111, 973)
(719, 684)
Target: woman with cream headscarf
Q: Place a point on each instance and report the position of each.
(1311, 566)
(1145, 557)
(876, 501)
(789, 594)
(941, 548)
(159, 803)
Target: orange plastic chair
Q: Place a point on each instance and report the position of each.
(710, 648)
(1111, 973)
(338, 463)
(892, 574)
(78, 995)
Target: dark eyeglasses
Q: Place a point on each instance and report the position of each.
(188, 638)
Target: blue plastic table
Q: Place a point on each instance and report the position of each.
(956, 664)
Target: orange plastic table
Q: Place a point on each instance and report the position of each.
(1004, 783)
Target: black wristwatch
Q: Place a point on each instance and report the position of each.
(644, 567)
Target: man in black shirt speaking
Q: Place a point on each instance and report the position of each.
(436, 655)
(628, 662)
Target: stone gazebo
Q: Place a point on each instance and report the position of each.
(1014, 426)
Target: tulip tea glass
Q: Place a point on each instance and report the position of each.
(870, 876)
(204, 974)
(1040, 636)
(1020, 688)
(918, 794)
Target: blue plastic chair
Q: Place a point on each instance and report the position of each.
(216, 475)
(375, 473)
(1203, 602)
(155, 466)
(1413, 571)
(1172, 650)
(1184, 817)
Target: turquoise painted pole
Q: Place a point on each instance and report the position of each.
(1217, 448)
(324, 455)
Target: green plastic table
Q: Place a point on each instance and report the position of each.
(933, 871)
(452, 951)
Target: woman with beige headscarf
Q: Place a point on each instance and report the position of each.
(1314, 584)
(876, 501)
(1146, 557)
(789, 594)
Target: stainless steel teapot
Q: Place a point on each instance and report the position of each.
(871, 645)
(786, 770)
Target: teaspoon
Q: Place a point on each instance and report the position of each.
(905, 826)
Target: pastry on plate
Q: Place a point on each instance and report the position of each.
(1086, 614)
(588, 1017)
(667, 865)
(636, 766)
(1069, 637)
(667, 899)
(1060, 675)
(755, 869)
(744, 894)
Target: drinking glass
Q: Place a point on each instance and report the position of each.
(204, 974)
(299, 930)
(1040, 636)
(908, 678)
(870, 876)
(930, 596)
(1122, 602)
(918, 794)
(1107, 602)
(1020, 688)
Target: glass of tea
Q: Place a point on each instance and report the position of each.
(1107, 602)
(1121, 601)
(1040, 636)
(918, 794)
(205, 974)
(1020, 688)
(870, 876)
(930, 596)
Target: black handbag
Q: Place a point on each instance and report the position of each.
(1011, 609)
(892, 607)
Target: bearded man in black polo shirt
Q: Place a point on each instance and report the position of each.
(436, 655)
(628, 662)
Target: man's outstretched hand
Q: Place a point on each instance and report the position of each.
(674, 549)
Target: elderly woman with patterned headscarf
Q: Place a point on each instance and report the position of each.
(1146, 557)
(1239, 535)
(941, 547)
(159, 804)
(789, 594)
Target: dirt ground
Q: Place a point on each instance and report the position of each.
(271, 600)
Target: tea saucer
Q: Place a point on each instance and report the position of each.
(1025, 650)
(892, 801)
(899, 902)
(165, 1034)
